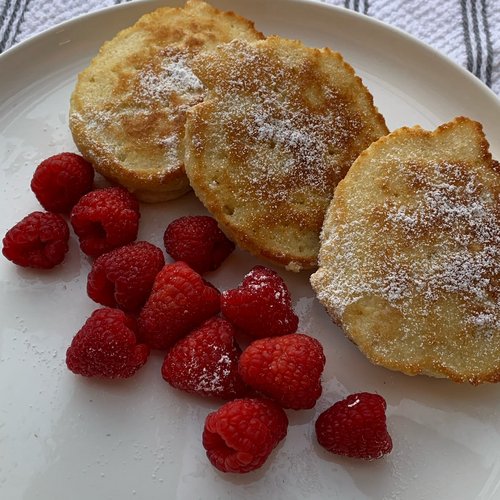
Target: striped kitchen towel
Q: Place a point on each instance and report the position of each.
(467, 31)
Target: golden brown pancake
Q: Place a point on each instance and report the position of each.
(128, 108)
(279, 128)
(409, 264)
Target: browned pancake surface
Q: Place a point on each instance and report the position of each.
(280, 126)
(410, 254)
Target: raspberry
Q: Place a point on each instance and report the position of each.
(124, 276)
(39, 240)
(205, 362)
(106, 346)
(198, 241)
(240, 435)
(180, 301)
(105, 219)
(355, 427)
(261, 306)
(61, 180)
(287, 369)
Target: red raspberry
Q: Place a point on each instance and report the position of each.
(198, 241)
(287, 369)
(124, 276)
(105, 219)
(39, 240)
(180, 301)
(61, 180)
(241, 434)
(205, 362)
(261, 306)
(355, 427)
(106, 346)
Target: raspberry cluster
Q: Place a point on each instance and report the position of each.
(279, 369)
(149, 304)
(40, 240)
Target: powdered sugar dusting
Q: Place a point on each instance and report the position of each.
(305, 140)
(145, 112)
(215, 379)
(444, 242)
(285, 124)
(174, 76)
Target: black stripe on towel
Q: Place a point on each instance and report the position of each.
(357, 5)
(467, 37)
(21, 19)
(8, 25)
(3, 14)
(489, 45)
(12, 29)
(360, 6)
(477, 68)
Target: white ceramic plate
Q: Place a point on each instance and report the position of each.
(64, 437)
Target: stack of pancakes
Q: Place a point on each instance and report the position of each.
(128, 109)
(261, 129)
(272, 135)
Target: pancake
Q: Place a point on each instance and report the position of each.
(279, 128)
(128, 107)
(409, 264)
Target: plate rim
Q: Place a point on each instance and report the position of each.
(340, 10)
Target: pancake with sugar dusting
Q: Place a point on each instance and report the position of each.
(128, 108)
(409, 264)
(280, 126)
